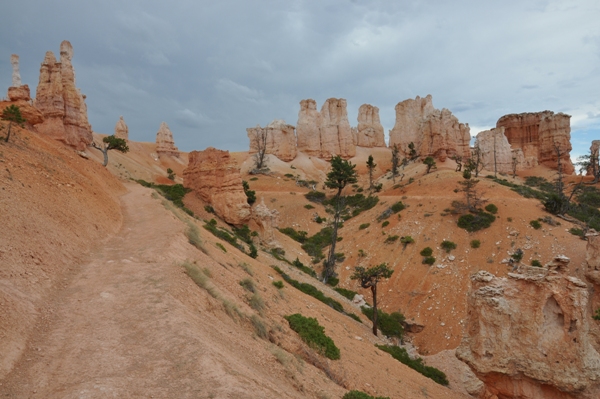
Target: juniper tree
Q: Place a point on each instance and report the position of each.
(111, 143)
(368, 278)
(12, 114)
(430, 162)
(371, 166)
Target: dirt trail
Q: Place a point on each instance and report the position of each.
(120, 327)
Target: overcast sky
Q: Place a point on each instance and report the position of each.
(210, 69)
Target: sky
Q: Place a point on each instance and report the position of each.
(211, 69)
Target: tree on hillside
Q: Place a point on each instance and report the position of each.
(258, 140)
(412, 152)
(475, 163)
(111, 143)
(473, 200)
(368, 278)
(590, 164)
(371, 166)
(459, 162)
(250, 194)
(395, 162)
(430, 162)
(341, 174)
(12, 114)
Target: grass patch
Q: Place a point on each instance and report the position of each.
(354, 394)
(311, 332)
(474, 222)
(173, 193)
(390, 324)
(364, 226)
(309, 206)
(259, 327)
(395, 208)
(248, 285)
(385, 224)
(221, 247)
(345, 293)
(257, 303)
(401, 355)
(201, 279)
(536, 263)
(353, 205)
(299, 236)
(193, 235)
(576, 232)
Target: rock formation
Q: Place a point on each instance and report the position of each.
(165, 145)
(369, 132)
(326, 133)
(266, 219)
(215, 178)
(277, 138)
(592, 256)
(19, 95)
(434, 133)
(538, 134)
(61, 102)
(594, 153)
(527, 336)
(121, 129)
(494, 141)
(16, 75)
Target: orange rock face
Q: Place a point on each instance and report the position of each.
(266, 219)
(528, 336)
(369, 132)
(61, 102)
(121, 129)
(20, 97)
(537, 134)
(433, 132)
(494, 141)
(165, 144)
(326, 133)
(215, 178)
(279, 140)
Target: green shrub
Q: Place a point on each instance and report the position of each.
(397, 207)
(428, 260)
(576, 232)
(406, 240)
(278, 284)
(427, 251)
(309, 206)
(589, 196)
(244, 233)
(221, 247)
(364, 226)
(311, 332)
(536, 263)
(535, 224)
(345, 293)
(491, 208)
(391, 239)
(389, 324)
(209, 209)
(333, 281)
(248, 285)
(253, 252)
(254, 179)
(401, 355)
(304, 268)
(361, 395)
(385, 224)
(314, 245)
(289, 175)
(448, 246)
(355, 317)
(299, 236)
(475, 244)
(315, 196)
(222, 234)
(473, 222)
(311, 290)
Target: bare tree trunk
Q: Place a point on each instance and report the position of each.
(330, 262)
(374, 292)
(8, 134)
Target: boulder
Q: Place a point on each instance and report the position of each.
(277, 138)
(369, 132)
(267, 220)
(528, 336)
(538, 134)
(215, 178)
(61, 102)
(121, 129)
(165, 144)
(327, 133)
(433, 132)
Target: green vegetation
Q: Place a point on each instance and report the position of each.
(278, 284)
(491, 208)
(352, 205)
(170, 174)
(475, 244)
(427, 251)
(364, 226)
(391, 239)
(448, 246)
(395, 208)
(597, 314)
(193, 235)
(259, 327)
(311, 332)
(222, 233)
(12, 114)
(428, 260)
(401, 355)
(310, 290)
(389, 324)
(361, 395)
(304, 268)
(257, 303)
(536, 263)
(368, 278)
(250, 194)
(517, 256)
(535, 224)
(476, 221)
(209, 209)
(309, 206)
(385, 224)
(173, 193)
(248, 285)
(314, 245)
(110, 143)
(315, 196)
(576, 232)
(406, 240)
(430, 163)
(346, 293)
(221, 247)
(299, 236)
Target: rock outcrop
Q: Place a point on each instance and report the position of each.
(538, 135)
(433, 132)
(267, 220)
(327, 133)
(16, 75)
(594, 152)
(121, 129)
(592, 255)
(165, 144)
(369, 132)
(61, 102)
(277, 138)
(215, 178)
(527, 336)
(493, 141)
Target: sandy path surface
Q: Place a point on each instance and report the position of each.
(119, 327)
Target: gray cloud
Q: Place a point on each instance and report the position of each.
(211, 69)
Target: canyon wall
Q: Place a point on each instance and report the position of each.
(494, 141)
(434, 132)
(215, 178)
(538, 134)
(61, 102)
(527, 336)
(277, 138)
